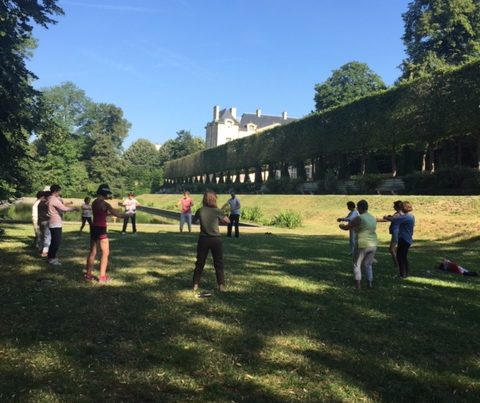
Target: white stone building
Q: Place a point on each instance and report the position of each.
(226, 127)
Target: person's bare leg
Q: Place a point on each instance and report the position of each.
(105, 251)
(91, 257)
(393, 252)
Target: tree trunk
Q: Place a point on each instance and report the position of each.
(228, 179)
(363, 163)
(285, 173)
(394, 162)
(271, 171)
(258, 174)
(301, 172)
(237, 177)
(431, 158)
(246, 178)
(220, 178)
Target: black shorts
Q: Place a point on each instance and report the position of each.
(98, 233)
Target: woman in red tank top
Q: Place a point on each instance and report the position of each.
(98, 234)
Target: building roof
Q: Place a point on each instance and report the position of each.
(227, 114)
(262, 120)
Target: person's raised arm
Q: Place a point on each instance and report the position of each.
(224, 220)
(113, 212)
(351, 224)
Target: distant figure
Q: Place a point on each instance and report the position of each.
(56, 209)
(452, 267)
(352, 213)
(186, 204)
(98, 234)
(405, 225)
(36, 226)
(130, 204)
(43, 220)
(209, 216)
(86, 213)
(365, 227)
(398, 207)
(233, 204)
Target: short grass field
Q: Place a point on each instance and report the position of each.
(290, 327)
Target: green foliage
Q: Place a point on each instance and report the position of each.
(440, 33)
(351, 81)
(430, 109)
(284, 185)
(184, 144)
(19, 104)
(368, 184)
(458, 180)
(253, 214)
(288, 219)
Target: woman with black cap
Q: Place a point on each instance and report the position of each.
(98, 233)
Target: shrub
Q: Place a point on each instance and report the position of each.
(369, 183)
(289, 219)
(253, 214)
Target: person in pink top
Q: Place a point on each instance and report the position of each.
(56, 209)
(98, 234)
(186, 204)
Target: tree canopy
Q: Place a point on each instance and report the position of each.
(351, 81)
(19, 105)
(440, 33)
(184, 144)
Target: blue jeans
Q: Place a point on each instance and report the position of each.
(186, 218)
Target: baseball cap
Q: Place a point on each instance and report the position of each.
(104, 190)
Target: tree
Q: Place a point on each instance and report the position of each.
(143, 172)
(18, 99)
(68, 105)
(351, 81)
(440, 33)
(184, 144)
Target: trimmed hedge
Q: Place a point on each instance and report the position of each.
(426, 110)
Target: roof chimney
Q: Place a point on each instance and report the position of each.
(216, 113)
(233, 111)
(259, 112)
(284, 115)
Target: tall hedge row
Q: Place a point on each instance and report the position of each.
(421, 112)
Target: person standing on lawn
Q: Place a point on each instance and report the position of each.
(405, 225)
(36, 225)
(43, 220)
(86, 213)
(365, 226)
(98, 234)
(130, 204)
(186, 204)
(234, 205)
(56, 209)
(209, 216)
(352, 213)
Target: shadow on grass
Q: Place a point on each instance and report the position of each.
(290, 328)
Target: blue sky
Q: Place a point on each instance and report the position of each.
(166, 63)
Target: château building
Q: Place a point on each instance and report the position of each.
(226, 127)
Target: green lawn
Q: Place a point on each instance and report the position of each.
(290, 327)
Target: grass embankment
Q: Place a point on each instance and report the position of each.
(290, 327)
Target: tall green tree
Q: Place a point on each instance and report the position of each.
(184, 144)
(18, 100)
(351, 81)
(142, 164)
(440, 33)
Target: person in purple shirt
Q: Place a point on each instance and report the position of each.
(405, 225)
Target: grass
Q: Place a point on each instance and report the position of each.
(289, 329)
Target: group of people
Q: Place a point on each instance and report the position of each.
(48, 210)
(233, 205)
(363, 237)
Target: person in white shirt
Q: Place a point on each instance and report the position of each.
(233, 204)
(130, 204)
(86, 213)
(36, 226)
(352, 213)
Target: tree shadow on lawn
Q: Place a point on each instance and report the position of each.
(393, 343)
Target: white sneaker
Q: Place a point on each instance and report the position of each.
(54, 262)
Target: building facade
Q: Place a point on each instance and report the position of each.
(226, 127)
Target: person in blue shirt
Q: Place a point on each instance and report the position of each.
(405, 225)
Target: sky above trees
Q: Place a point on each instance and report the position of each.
(167, 63)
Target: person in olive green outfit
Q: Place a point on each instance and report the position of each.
(365, 226)
(209, 216)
